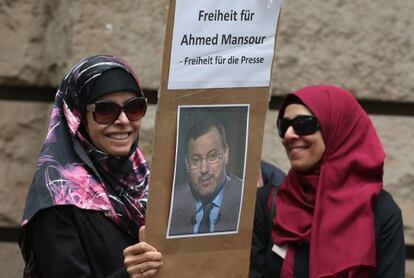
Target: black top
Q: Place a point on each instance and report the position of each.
(389, 241)
(271, 175)
(70, 242)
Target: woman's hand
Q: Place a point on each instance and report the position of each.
(142, 259)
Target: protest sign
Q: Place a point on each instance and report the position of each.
(216, 72)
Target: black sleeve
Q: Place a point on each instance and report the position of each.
(390, 238)
(57, 248)
(271, 175)
(261, 236)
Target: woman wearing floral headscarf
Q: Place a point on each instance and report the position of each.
(331, 216)
(86, 205)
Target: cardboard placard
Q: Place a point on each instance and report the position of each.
(222, 254)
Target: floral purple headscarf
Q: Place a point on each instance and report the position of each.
(72, 171)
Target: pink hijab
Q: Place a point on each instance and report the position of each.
(330, 208)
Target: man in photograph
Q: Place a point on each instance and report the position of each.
(210, 200)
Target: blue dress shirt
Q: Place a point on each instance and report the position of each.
(214, 214)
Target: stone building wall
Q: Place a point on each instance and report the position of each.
(363, 46)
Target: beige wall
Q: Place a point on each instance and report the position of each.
(362, 45)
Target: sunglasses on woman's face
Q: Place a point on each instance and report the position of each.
(302, 125)
(107, 111)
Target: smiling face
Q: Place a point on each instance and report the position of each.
(117, 138)
(206, 178)
(304, 152)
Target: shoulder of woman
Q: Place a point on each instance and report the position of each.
(54, 214)
(386, 209)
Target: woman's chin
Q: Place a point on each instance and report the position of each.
(299, 167)
(118, 150)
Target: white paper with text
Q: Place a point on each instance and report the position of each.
(223, 43)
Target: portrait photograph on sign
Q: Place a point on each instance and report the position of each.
(209, 170)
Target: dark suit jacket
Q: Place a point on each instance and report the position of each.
(183, 212)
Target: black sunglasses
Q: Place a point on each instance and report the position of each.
(302, 125)
(107, 111)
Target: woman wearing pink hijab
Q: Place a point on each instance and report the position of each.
(86, 207)
(332, 217)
